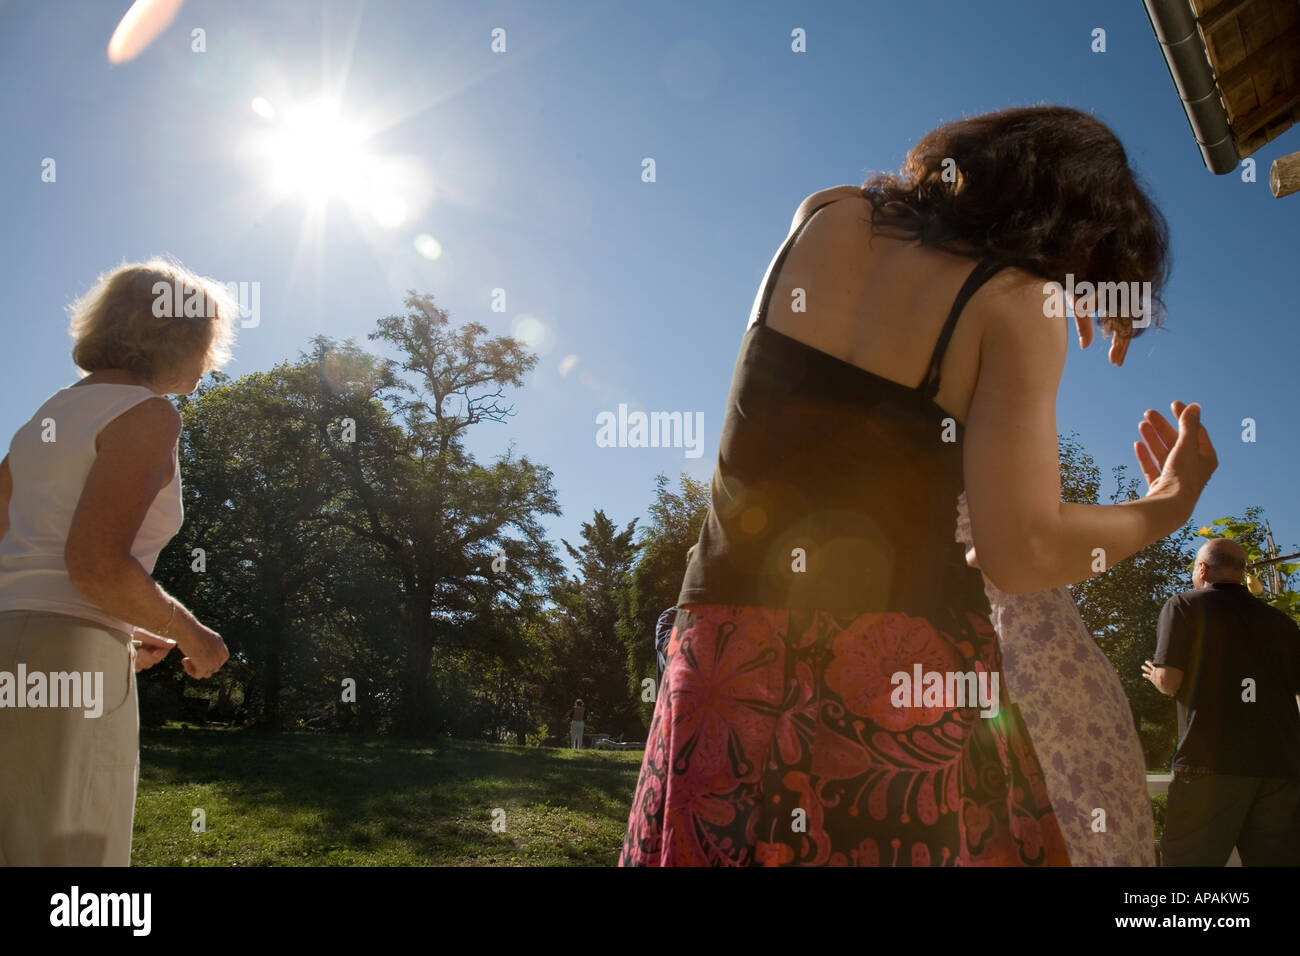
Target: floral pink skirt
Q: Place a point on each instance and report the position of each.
(778, 739)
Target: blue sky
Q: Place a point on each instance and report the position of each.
(525, 166)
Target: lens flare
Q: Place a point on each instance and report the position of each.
(529, 330)
(428, 246)
(263, 108)
(139, 27)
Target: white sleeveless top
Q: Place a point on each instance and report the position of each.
(48, 477)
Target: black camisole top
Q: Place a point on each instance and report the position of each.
(836, 488)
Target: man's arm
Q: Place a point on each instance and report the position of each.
(1166, 679)
(1172, 650)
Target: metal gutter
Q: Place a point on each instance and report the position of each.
(1174, 24)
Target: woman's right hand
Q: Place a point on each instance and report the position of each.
(1176, 464)
(204, 651)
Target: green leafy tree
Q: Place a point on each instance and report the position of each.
(1121, 608)
(349, 537)
(259, 478)
(465, 539)
(655, 581)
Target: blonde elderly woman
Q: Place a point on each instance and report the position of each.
(90, 493)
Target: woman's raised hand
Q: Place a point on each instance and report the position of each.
(1177, 464)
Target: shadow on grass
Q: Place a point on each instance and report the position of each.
(309, 799)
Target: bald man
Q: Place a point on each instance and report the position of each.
(1233, 663)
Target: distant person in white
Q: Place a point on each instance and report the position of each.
(576, 724)
(90, 494)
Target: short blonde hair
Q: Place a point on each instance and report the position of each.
(135, 319)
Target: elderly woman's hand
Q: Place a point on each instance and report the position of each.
(149, 649)
(204, 651)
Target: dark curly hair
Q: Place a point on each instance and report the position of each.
(1044, 188)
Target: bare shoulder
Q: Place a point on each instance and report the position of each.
(157, 412)
(155, 422)
(1019, 304)
(820, 197)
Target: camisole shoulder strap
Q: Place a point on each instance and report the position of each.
(761, 319)
(984, 270)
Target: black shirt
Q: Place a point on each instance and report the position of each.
(1221, 637)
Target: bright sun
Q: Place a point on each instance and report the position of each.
(315, 152)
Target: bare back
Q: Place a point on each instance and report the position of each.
(879, 303)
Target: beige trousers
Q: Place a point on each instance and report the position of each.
(68, 781)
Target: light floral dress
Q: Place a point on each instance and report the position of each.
(1079, 720)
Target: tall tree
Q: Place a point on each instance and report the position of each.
(464, 537)
(592, 664)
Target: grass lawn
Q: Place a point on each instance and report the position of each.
(298, 799)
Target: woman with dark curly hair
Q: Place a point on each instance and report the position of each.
(833, 692)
